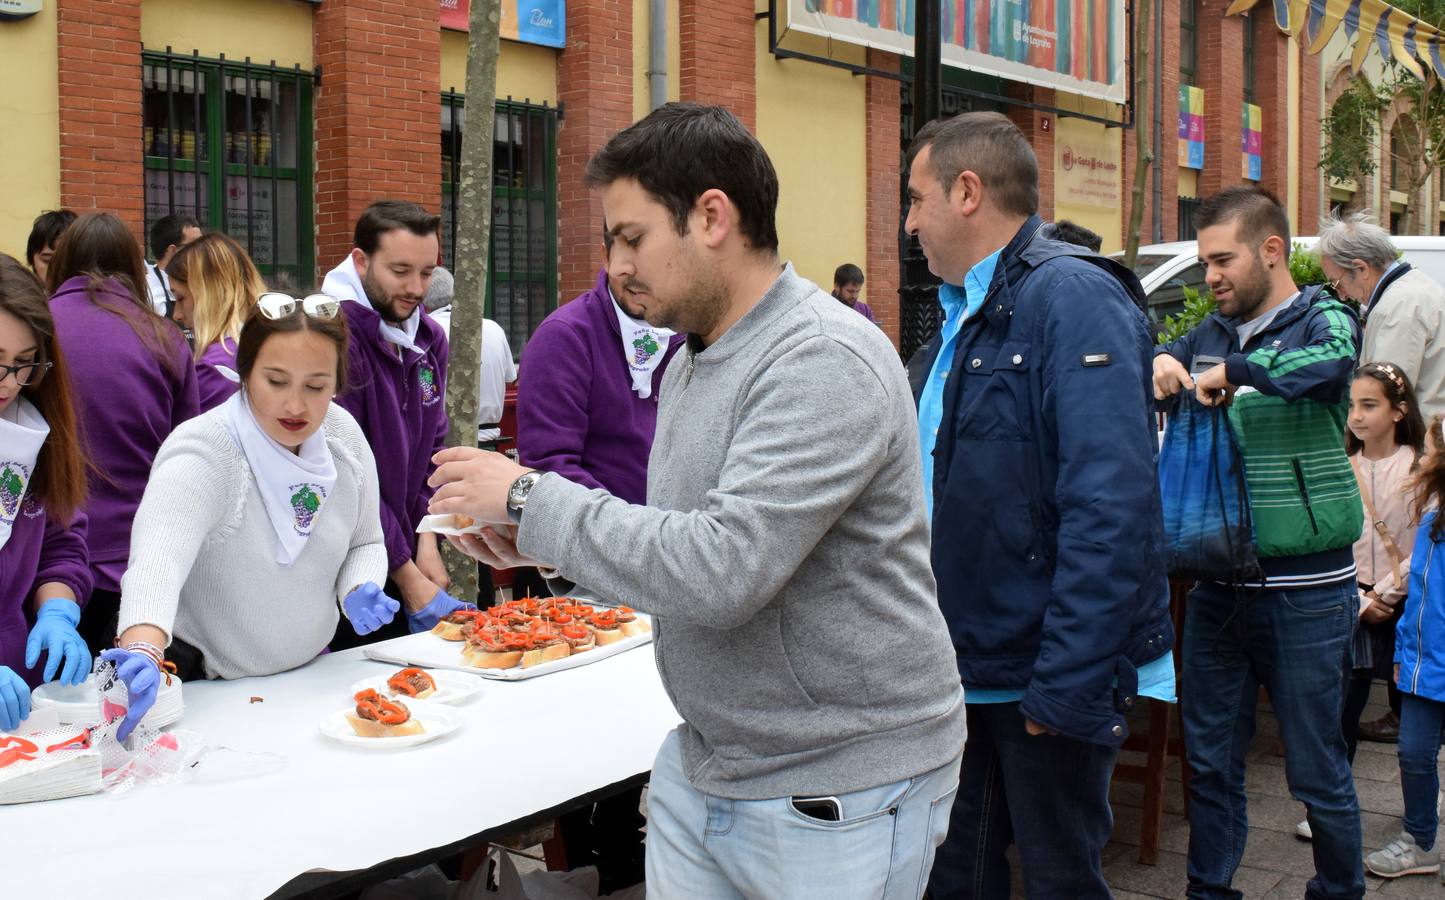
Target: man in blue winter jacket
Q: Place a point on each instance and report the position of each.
(1039, 461)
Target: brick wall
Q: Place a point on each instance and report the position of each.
(885, 167)
(100, 108)
(719, 55)
(594, 86)
(1167, 151)
(1271, 94)
(1311, 177)
(1038, 127)
(1221, 72)
(378, 124)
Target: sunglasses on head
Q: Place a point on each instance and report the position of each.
(276, 305)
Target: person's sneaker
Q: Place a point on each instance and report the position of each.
(1403, 856)
(1302, 830)
(1384, 730)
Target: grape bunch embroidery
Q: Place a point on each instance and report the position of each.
(13, 478)
(306, 501)
(429, 393)
(644, 348)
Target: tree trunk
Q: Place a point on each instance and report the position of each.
(473, 229)
(1142, 129)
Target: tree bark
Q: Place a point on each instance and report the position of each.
(1142, 129)
(474, 227)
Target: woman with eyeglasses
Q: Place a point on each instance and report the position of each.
(215, 285)
(132, 381)
(260, 518)
(44, 574)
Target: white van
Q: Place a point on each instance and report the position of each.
(1166, 269)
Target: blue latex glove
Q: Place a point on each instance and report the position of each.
(14, 699)
(142, 680)
(368, 608)
(55, 633)
(428, 616)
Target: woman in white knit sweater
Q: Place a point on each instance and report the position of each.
(259, 517)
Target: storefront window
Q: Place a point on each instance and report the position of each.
(522, 274)
(1189, 42)
(1249, 58)
(230, 143)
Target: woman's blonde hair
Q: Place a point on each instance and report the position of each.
(225, 285)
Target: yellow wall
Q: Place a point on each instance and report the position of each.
(641, 90)
(261, 29)
(524, 71)
(1094, 140)
(811, 120)
(29, 126)
(1188, 182)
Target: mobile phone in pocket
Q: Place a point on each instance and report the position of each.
(824, 809)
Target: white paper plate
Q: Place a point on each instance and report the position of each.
(79, 704)
(446, 525)
(437, 720)
(453, 688)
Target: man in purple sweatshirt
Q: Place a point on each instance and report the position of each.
(587, 395)
(587, 410)
(396, 379)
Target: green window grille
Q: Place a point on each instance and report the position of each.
(522, 274)
(231, 144)
(1189, 42)
(1249, 58)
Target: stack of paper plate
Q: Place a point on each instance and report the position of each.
(81, 704)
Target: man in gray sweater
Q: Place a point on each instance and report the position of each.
(783, 549)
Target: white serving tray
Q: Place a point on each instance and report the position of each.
(431, 652)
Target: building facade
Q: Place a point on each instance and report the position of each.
(278, 121)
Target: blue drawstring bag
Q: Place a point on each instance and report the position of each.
(1208, 530)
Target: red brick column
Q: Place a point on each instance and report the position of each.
(1038, 126)
(378, 119)
(100, 108)
(594, 87)
(1271, 94)
(1311, 177)
(885, 174)
(1221, 72)
(719, 55)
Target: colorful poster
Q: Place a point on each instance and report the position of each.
(1251, 142)
(1075, 46)
(541, 22)
(1191, 127)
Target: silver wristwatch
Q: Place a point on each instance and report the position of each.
(517, 494)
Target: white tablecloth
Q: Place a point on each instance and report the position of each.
(526, 746)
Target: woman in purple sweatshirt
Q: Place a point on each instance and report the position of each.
(133, 382)
(44, 576)
(215, 285)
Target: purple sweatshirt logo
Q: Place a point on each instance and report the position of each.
(305, 503)
(13, 478)
(429, 392)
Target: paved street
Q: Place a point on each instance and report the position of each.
(1276, 863)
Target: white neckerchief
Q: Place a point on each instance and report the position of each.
(293, 486)
(344, 282)
(643, 346)
(22, 432)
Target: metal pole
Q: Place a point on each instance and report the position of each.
(919, 313)
(927, 63)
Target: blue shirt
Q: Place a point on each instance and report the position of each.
(958, 305)
(1156, 679)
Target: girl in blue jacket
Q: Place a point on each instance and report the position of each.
(1420, 674)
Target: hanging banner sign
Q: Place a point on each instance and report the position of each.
(1075, 46)
(541, 22)
(1191, 127)
(1251, 142)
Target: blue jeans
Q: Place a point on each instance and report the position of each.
(1295, 644)
(1421, 720)
(1046, 793)
(702, 847)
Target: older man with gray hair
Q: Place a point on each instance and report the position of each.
(1403, 308)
